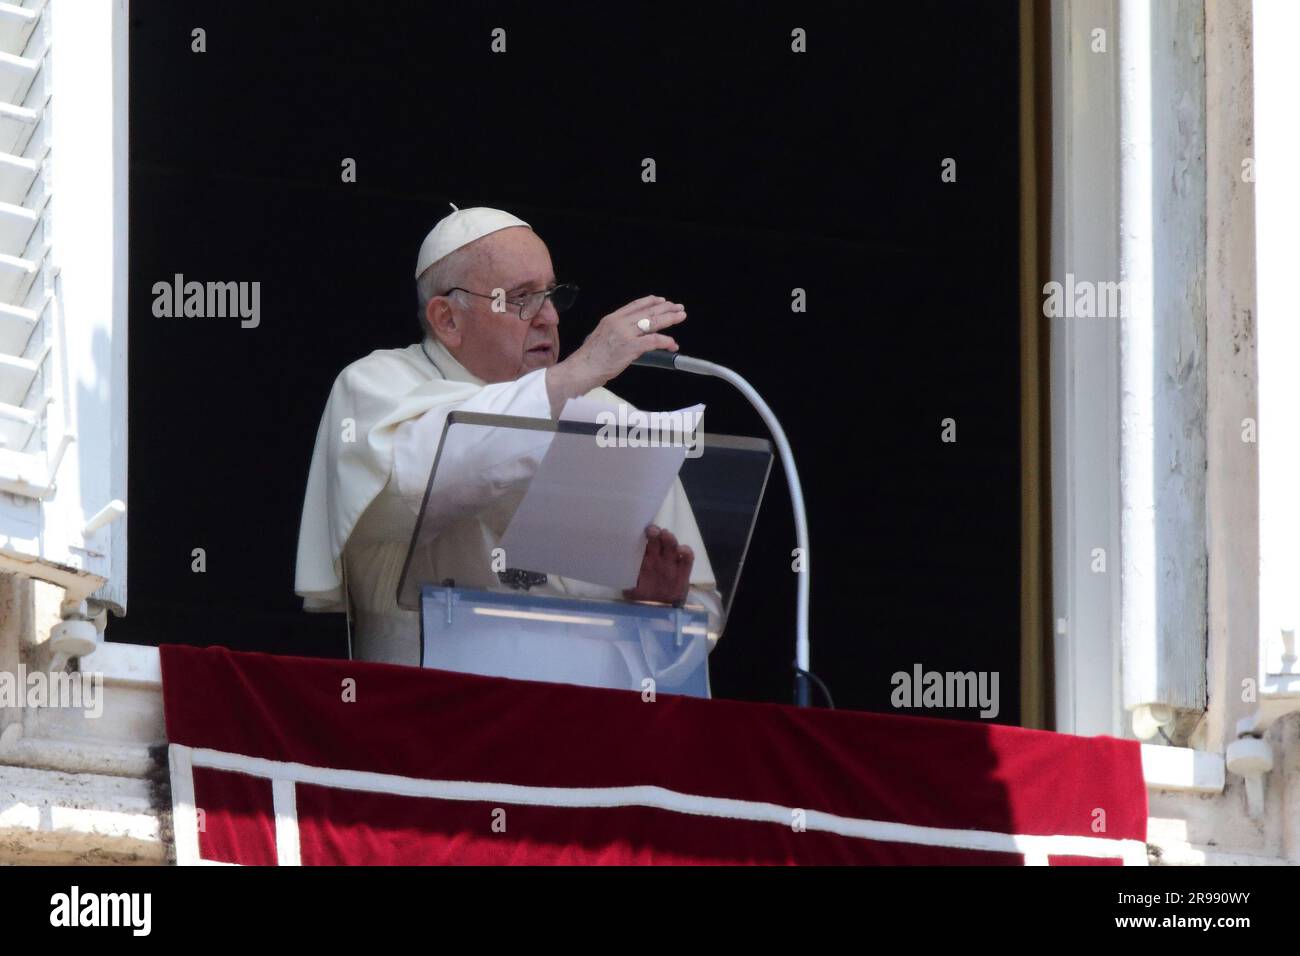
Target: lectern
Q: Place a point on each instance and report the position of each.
(481, 614)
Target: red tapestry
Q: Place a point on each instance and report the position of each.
(298, 760)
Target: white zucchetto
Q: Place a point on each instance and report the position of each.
(459, 228)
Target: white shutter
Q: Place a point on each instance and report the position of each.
(1277, 202)
(25, 348)
(63, 292)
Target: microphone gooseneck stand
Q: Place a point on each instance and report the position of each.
(660, 358)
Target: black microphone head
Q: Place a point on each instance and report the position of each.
(657, 358)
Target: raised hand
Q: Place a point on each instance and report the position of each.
(621, 337)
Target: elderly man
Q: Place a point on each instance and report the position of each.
(490, 322)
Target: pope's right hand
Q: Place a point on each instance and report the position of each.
(612, 346)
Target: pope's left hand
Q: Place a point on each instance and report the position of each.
(665, 569)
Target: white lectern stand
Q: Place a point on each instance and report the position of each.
(566, 640)
(530, 624)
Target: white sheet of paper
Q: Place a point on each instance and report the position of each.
(585, 513)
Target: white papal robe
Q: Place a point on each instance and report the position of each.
(374, 450)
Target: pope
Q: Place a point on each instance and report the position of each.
(489, 319)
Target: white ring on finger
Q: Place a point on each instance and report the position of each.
(643, 325)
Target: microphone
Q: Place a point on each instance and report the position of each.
(662, 358)
(657, 358)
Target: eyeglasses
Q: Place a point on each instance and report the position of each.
(530, 303)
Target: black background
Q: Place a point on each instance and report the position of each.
(775, 170)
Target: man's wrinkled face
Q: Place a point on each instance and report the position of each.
(500, 346)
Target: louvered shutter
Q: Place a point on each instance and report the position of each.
(63, 292)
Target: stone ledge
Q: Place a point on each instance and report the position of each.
(1192, 854)
(78, 757)
(48, 816)
(1181, 768)
(125, 664)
